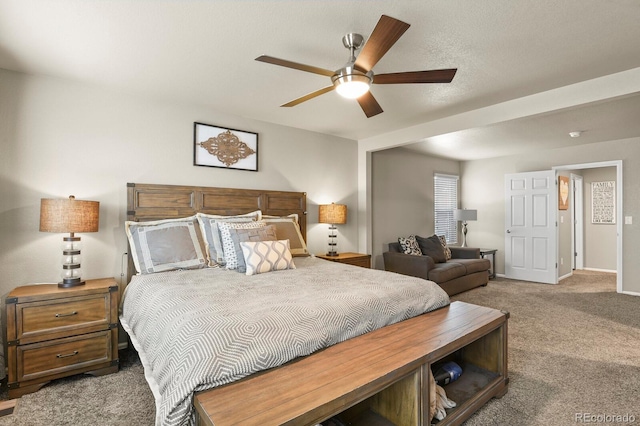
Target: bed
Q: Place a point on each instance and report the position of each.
(204, 327)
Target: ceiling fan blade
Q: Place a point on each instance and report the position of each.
(432, 76)
(369, 105)
(387, 31)
(308, 96)
(294, 65)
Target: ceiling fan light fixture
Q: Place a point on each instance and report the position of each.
(352, 86)
(351, 83)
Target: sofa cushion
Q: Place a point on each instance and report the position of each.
(474, 265)
(409, 245)
(432, 247)
(443, 272)
(447, 250)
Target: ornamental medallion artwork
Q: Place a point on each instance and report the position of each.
(227, 148)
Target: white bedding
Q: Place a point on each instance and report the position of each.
(198, 329)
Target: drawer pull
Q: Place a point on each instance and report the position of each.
(67, 355)
(66, 315)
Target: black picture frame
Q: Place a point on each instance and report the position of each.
(223, 147)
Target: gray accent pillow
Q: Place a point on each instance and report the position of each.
(211, 233)
(432, 247)
(266, 233)
(230, 255)
(164, 245)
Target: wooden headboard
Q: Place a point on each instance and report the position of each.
(147, 202)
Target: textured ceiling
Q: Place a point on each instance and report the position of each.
(203, 52)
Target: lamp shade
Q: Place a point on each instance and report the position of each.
(465, 215)
(69, 215)
(333, 213)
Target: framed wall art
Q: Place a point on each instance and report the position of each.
(563, 193)
(603, 202)
(216, 146)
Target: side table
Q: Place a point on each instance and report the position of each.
(55, 332)
(490, 252)
(356, 259)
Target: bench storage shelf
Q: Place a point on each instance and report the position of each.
(380, 378)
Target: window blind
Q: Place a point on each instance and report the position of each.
(445, 201)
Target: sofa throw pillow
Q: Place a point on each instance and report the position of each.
(409, 245)
(447, 250)
(432, 247)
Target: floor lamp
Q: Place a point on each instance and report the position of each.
(464, 215)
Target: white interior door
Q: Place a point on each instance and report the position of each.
(530, 226)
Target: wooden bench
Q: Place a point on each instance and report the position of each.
(380, 378)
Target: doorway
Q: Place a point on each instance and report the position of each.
(618, 210)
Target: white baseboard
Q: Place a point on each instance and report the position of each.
(565, 276)
(612, 271)
(631, 293)
(123, 345)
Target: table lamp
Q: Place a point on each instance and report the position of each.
(464, 215)
(333, 214)
(69, 215)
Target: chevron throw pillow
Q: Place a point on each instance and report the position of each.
(267, 256)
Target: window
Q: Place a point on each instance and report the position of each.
(445, 201)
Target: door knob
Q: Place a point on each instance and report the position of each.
(508, 231)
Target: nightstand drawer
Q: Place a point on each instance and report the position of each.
(54, 332)
(355, 259)
(62, 355)
(364, 262)
(50, 319)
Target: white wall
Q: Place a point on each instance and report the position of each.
(59, 138)
(482, 185)
(599, 239)
(402, 196)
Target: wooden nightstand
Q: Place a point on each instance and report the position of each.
(56, 332)
(357, 259)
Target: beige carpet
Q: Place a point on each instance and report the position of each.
(574, 349)
(574, 352)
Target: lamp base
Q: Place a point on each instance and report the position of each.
(332, 253)
(464, 234)
(72, 282)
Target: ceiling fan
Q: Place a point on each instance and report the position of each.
(353, 80)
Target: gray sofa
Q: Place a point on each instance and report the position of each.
(464, 271)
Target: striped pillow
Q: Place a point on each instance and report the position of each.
(267, 256)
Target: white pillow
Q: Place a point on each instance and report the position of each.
(211, 234)
(267, 256)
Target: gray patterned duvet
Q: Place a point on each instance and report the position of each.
(198, 329)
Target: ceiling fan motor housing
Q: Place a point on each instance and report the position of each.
(353, 40)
